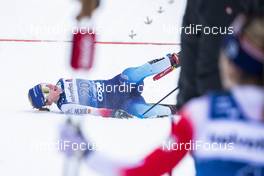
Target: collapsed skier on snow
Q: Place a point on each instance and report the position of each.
(105, 97)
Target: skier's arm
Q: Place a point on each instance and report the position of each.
(161, 161)
(156, 163)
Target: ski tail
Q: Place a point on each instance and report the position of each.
(163, 73)
(175, 63)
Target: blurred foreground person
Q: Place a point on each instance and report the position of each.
(224, 130)
(200, 49)
(87, 8)
(84, 37)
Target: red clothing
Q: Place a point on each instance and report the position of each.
(162, 161)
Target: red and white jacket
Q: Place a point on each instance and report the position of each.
(231, 121)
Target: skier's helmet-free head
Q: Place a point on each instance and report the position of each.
(244, 48)
(38, 95)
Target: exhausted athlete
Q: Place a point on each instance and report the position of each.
(105, 97)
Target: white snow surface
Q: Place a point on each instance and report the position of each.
(25, 64)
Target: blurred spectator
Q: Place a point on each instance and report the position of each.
(228, 126)
(88, 6)
(200, 50)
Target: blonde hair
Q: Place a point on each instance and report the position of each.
(253, 30)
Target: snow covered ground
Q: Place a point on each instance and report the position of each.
(24, 64)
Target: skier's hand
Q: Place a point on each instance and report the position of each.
(88, 6)
(73, 141)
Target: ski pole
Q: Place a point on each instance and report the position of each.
(72, 164)
(160, 101)
(169, 69)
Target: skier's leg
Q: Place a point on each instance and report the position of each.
(137, 106)
(137, 74)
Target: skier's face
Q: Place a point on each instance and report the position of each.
(54, 94)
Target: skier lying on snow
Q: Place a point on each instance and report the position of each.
(104, 97)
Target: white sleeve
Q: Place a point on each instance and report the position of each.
(107, 166)
(103, 165)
